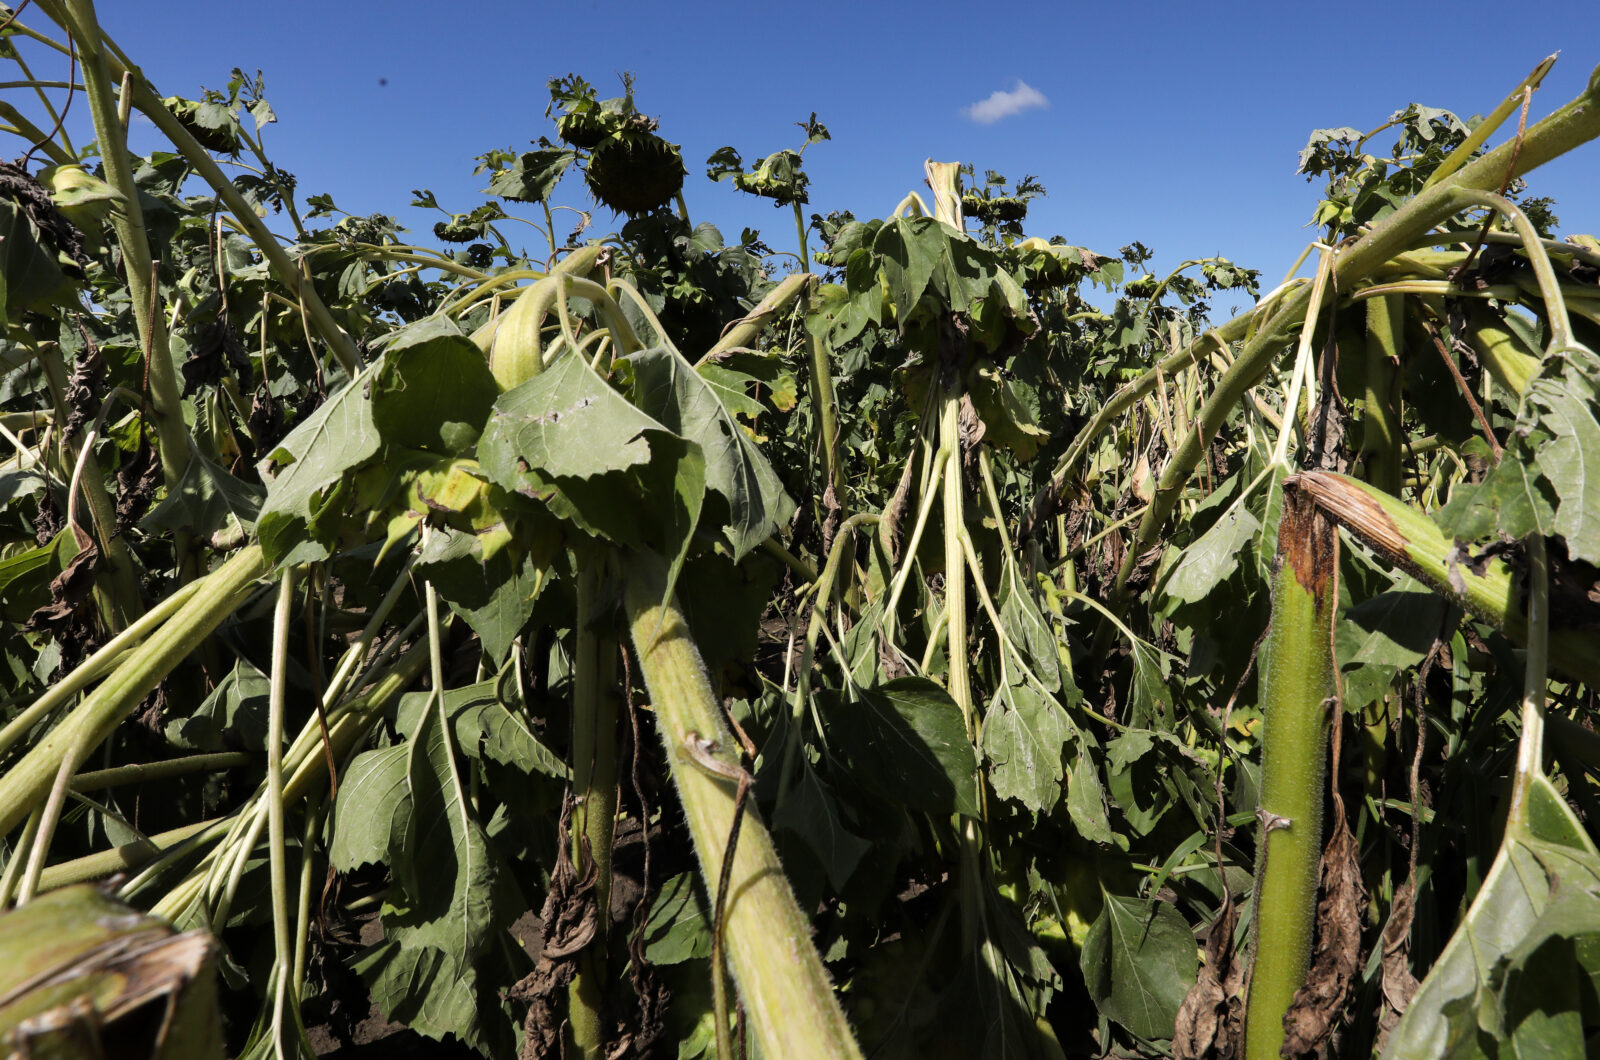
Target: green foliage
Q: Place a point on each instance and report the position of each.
(983, 597)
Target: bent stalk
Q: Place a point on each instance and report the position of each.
(785, 989)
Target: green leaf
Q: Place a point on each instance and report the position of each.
(1571, 459)
(30, 274)
(1149, 698)
(1006, 420)
(232, 718)
(1398, 626)
(566, 422)
(496, 596)
(809, 810)
(691, 405)
(1209, 560)
(566, 437)
(532, 177)
(433, 390)
(370, 813)
(25, 576)
(678, 927)
(486, 727)
(906, 740)
(1086, 801)
(208, 502)
(441, 933)
(1139, 960)
(1024, 734)
(1031, 635)
(338, 437)
(1548, 481)
(1544, 884)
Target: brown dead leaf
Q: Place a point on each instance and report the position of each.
(1336, 954)
(68, 590)
(1399, 985)
(1211, 1018)
(568, 922)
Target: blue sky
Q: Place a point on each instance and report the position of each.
(1176, 124)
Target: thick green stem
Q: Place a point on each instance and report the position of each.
(1296, 702)
(103, 709)
(140, 772)
(777, 300)
(277, 848)
(120, 858)
(594, 780)
(128, 219)
(1510, 361)
(785, 989)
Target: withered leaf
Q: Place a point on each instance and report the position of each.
(568, 922)
(1210, 1020)
(1399, 985)
(1336, 954)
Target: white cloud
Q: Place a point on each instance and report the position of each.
(1022, 96)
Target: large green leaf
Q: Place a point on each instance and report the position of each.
(1030, 633)
(1212, 557)
(486, 727)
(809, 809)
(233, 717)
(403, 805)
(371, 814)
(696, 407)
(496, 595)
(337, 438)
(1506, 977)
(907, 741)
(1139, 960)
(533, 176)
(677, 928)
(567, 437)
(434, 389)
(1548, 481)
(30, 271)
(25, 576)
(208, 501)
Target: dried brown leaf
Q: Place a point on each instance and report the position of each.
(1210, 1020)
(1399, 985)
(1336, 954)
(568, 922)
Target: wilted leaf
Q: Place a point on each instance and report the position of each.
(1024, 734)
(689, 404)
(1336, 955)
